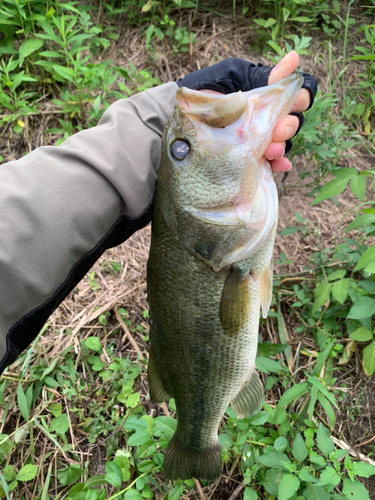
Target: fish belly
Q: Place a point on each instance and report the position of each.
(193, 359)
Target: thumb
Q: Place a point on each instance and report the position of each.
(284, 68)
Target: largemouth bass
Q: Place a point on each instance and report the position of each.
(210, 264)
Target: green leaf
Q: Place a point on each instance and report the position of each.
(28, 47)
(313, 492)
(322, 358)
(63, 72)
(272, 480)
(329, 476)
(368, 285)
(366, 258)
(324, 440)
(289, 484)
(114, 474)
(321, 293)
(347, 172)
(362, 308)
(60, 424)
(9, 473)
(354, 490)
(314, 381)
(361, 221)
(133, 495)
(336, 275)
(274, 460)
(305, 476)
(299, 450)
(250, 494)
(70, 475)
(332, 188)
(267, 365)
(55, 409)
(27, 473)
(95, 481)
(363, 469)
(133, 400)
(340, 290)
(361, 334)
(139, 438)
(358, 186)
(22, 403)
(226, 441)
(318, 460)
(259, 418)
(280, 444)
(165, 426)
(76, 493)
(293, 393)
(93, 343)
(301, 19)
(328, 409)
(176, 492)
(369, 359)
(5, 444)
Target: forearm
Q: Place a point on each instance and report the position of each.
(62, 207)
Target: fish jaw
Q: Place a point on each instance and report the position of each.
(221, 200)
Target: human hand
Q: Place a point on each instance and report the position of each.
(288, 126)
(234, 74)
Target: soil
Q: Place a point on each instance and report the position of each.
(217, 38)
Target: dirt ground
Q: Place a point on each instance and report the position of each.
(217, 38)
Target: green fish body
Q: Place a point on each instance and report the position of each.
(210, 264)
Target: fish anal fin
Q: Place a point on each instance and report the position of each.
(158, 393)
(266, 285)
(235, 303)
(250, 398)
(181, 463)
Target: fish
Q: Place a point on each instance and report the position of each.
(209, 269)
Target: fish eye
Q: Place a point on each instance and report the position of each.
(180, 149)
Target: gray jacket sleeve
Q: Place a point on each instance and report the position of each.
(62, 207)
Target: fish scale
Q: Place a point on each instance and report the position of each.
(209, 267)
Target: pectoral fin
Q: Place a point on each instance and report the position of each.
(266, 284)
(158, 393)
(235, 303)
(249, 399)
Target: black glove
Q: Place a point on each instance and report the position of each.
(235, 74)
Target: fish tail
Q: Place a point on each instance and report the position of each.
(181, 463)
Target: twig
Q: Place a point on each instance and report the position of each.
(199, 489)
(128, 334)
(367, 442)
(165, 408)
(352, 451)
(236, 492)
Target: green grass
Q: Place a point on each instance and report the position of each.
(78, 425)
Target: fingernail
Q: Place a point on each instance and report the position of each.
(280, 64)
(289, 131)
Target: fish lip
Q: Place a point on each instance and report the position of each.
(235, 202)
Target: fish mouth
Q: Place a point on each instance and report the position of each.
(231, 213)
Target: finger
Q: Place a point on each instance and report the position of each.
(285, 67)
(302, 101)
(281, 165)
(274, 151)
(285, 129)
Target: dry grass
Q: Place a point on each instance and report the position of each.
(79, 315)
